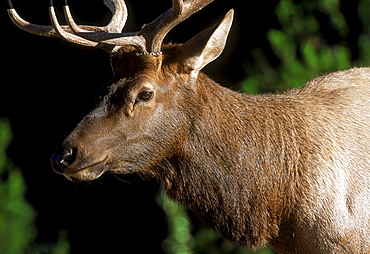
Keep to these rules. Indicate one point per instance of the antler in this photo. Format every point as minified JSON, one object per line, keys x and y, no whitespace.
{"x":110,"y":37}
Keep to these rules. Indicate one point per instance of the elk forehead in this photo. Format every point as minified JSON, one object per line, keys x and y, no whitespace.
{"x":128,"y":62}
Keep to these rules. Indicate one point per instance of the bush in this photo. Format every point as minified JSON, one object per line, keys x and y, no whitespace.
{"x":303,"y":51}
{"x":16,"y":215}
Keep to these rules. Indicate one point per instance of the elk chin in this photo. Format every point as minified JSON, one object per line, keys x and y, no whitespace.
{"x":87,"y":174}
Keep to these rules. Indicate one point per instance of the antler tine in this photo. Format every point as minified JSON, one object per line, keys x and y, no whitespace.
{"x":109,"y":34}
{"x":42,"y":30}
{"x":74,"y":27}
{"x":116,"y":25}
{"x":177,"y":7}
{"x":120,"y":13}
{"x":66,"y":35}
{"x":159,"y":28}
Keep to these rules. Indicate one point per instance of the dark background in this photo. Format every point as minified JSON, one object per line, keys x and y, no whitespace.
{"x":48,"y":85}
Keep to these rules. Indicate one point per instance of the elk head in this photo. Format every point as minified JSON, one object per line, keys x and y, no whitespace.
{"x":144,"y":112}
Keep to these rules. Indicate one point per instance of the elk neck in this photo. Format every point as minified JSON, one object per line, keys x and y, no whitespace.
{"x":247,"y":191}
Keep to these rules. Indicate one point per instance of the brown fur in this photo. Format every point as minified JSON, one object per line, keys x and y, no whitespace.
{"x":290,"y":170}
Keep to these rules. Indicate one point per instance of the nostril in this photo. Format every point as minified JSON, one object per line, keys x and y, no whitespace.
{"x":68,"y":157}
{"x":62,"y":160}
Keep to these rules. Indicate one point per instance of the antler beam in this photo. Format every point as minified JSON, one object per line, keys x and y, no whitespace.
{"x":110,"y":37}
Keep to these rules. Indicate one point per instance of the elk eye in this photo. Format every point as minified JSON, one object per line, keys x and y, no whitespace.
{"x":144,"y":96}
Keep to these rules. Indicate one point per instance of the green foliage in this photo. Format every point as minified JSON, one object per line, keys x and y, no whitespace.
{"x":302,"y":52}
{"x":16,"y":215}
{"x":179,"y":240}
{"x":62,"y":246}
{"x":17,"y":228}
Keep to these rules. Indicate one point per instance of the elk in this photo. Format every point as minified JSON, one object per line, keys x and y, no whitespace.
{"x":290,"y":170}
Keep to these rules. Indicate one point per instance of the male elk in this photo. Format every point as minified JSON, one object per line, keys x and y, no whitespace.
{"x":290,"y":170}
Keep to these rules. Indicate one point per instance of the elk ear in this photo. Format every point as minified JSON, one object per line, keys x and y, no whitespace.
{"x":206,"y":46}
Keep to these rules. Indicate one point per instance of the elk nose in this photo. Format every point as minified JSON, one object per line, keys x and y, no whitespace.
{"x":61,"y":161}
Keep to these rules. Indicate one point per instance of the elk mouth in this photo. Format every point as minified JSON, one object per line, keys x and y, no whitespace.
{"x":87,"y":173}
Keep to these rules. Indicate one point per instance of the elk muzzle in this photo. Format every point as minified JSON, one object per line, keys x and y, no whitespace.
{"x":66,"y":162}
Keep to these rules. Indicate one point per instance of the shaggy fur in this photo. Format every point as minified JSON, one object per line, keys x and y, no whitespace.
{"x":290,"y":170}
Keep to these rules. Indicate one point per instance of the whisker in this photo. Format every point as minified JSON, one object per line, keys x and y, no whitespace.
{"x":120,"y":179}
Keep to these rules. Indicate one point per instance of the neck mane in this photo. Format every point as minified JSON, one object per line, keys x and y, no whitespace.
{"x":244,"y":194}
